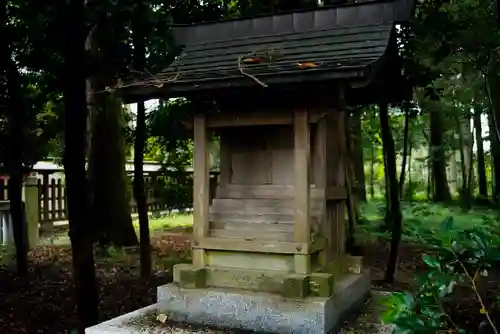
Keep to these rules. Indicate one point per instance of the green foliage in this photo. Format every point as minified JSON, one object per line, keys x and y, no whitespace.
{"x":456,"y":258}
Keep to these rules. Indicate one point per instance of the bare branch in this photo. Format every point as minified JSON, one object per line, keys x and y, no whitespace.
{"x":242,"y":71}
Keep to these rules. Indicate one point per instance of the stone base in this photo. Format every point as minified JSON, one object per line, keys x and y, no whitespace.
{"x":130,"y":323}
{"x":263,"y":312}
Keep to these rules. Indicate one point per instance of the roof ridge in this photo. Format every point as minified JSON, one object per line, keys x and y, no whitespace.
{"x":309,"y":31}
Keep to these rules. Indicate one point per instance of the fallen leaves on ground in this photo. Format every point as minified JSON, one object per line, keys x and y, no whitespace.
{"x":43,"y":301}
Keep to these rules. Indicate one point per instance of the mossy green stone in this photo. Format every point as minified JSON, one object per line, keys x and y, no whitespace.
{"x":321,"y":284}
{"x":337,"y":268}
{"x":191,"y":278}
{"x":295,"y":286}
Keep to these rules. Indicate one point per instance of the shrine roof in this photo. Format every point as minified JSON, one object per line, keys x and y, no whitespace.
{"x":344,"y":42}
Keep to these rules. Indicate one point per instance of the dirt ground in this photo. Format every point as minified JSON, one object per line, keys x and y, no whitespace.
{"x":43,"y":301}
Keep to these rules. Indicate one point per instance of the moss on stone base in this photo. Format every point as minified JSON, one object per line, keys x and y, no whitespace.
{"x":321,"y":284}
{"x":189,"y":277}
{"x":295,"y":286}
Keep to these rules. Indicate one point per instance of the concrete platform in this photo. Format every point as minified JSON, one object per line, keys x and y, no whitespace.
{"x":261,"y":312}
{"x":129,"y":323}
{"x":367,"y":321}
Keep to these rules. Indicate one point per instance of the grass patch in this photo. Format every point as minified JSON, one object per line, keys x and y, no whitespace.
{"x":168,"y":221}
{"x":156,"y":224}
{"x":431,"y":215}
{"x":422,"y":216}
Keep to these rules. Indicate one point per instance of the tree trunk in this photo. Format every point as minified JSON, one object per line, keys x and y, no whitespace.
{"x":410,"y":182}
{"x":140,"y":139}
{"x":357,"y":156}
{"x":405,"y":153}
{"x":481,"y":166}
{"x":441,"y":190}
{"x":372,"y":174}
{"x":493,"y":85}
{"x":466,"y":159}
{"x":350,"y":181}
{"x":74,"y":165}
{"x":393,"y":204}
{"x":109,"y":194}
{"x":16,"y":119}
{"x":429,"y":187}
{"x":454,"y":171}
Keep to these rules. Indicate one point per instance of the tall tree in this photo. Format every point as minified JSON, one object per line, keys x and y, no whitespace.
{"x":440,"y":190}
{"x":16,"y":111}
{"x":140,"y":140}
{"x":109,"y":197}
{"x":357,"y":158}
{"x":405,"y":150}
{"x":74,"y":164}
{"x":481,"y":165}
{"x":393,"y":211}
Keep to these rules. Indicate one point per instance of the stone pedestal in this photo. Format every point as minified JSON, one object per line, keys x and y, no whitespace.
{"x":264,"y":312}
{"x":238,"y":309}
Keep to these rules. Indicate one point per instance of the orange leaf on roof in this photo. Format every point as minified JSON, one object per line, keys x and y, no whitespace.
{"x":307,"y":64}
{"x":254,"y":60}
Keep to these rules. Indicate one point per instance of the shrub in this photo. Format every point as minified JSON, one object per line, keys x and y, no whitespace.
{"x":456,"y":258}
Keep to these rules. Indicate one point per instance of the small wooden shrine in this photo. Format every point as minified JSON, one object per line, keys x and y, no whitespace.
{"x":276,"y":90}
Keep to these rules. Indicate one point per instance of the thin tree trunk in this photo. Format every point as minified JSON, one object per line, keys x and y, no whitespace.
{"x":481,"y":166}
{"x":405,"y":153}
{"x":495,"y":160}
{"x":410,"y":182}
{"x":74,"y":165}
{"x":139,"y":192}
{"x":466,"y":159}
{"x":429,"y":177}
{"x":357,"y":155}
{"x":454,"y":172}
{"x":350,"y":175}
{"x":441,"y":190}
{"x":372,"y":174}
{"x":140,"y":139}
{"x":16,"y":112}
{"x":394,"y":204}
{"x":492,"y":84}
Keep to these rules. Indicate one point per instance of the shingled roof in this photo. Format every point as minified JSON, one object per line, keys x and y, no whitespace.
{"x":343,"y":42}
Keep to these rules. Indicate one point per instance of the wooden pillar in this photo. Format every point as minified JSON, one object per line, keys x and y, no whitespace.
{"x":45,"y":183}
{"x":341,"y":181}
{"x":341,"y":177}
{"x":31,"y":210}
{"x":301,"y":221}
{"x":200,"y":187}
{"x":334,"y":223}
{"x":320,"y":181}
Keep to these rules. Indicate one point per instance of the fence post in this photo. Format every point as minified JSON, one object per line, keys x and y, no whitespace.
{"x":31,"y":201}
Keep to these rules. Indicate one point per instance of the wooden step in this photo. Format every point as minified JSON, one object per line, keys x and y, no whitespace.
{"x":260,"y":206}
{"x":229,"y":203}
{"x":271,"y":191}
{"x":251,"y":217}
{"x":259,"y":234}
{"x":245,"y":226}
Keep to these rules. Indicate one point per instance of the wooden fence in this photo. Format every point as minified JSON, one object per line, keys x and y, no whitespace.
{"x":53,"y":205}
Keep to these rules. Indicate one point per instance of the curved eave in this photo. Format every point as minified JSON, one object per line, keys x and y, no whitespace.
{"x":151,"y":91}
